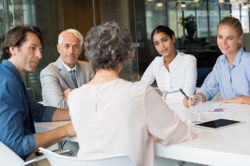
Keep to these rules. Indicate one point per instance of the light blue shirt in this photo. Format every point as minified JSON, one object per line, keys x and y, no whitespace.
{"x":231,"y":81}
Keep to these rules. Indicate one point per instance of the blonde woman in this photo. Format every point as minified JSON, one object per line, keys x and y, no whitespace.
{"x":231,"y":73}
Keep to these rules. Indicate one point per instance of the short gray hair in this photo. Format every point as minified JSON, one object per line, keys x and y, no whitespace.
{"x":107,"y":46}
{"x":75,"y":32}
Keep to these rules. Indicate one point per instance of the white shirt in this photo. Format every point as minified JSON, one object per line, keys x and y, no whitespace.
{"x":118,"y":116}
{"x":182,"y":74}
{"x":67,"y":67}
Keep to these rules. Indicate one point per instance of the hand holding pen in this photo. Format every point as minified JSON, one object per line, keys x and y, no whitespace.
{"x":182,"y":92}
{"x":197,"y":99}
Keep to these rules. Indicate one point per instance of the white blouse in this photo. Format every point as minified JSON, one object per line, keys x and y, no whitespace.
{"x":119,"y":116}
{"x":182,"y":74}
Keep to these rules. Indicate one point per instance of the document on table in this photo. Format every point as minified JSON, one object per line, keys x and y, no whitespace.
{"x":210,"y":107}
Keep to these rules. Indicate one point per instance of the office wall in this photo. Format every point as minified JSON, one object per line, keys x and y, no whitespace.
{"x":53,"y":17}
{"x":78,"y":14}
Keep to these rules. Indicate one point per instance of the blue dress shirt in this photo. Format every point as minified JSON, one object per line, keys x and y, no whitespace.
{"x":17,"y":111}
{"x":231,"y":81}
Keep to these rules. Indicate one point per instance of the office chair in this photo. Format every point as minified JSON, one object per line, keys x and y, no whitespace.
{"x":60,"y":160}
{"x":10,"y":158}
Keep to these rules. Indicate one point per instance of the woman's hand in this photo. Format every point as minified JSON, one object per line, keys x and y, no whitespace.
{"x":185,"y":101}
{"x":154,"y":138}
{"x":242,"y":100}
{"x":66,"y":93}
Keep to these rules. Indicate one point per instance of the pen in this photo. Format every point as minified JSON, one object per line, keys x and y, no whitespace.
{"x":182,"y":92}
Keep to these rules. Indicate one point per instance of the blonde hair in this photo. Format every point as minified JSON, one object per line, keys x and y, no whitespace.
{"x":233,"y":23}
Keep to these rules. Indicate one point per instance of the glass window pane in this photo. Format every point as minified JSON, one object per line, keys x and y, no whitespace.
{"x":155,"y":15}
{"x":213,"y":17}
{"x":202,"y":24}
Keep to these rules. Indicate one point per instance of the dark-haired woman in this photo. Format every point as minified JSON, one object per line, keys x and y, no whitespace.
{"x":173,"y":69}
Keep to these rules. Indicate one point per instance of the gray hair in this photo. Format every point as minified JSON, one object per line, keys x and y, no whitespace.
{"x":107,"y":46}
{"x":75,"y":32}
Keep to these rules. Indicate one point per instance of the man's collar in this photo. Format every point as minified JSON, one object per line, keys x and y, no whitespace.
{"x":67,"y":67}
{"x":12,"y":67}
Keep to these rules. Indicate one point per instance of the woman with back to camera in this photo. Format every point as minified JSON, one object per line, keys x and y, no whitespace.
{"x":231,"y":73}
{"x":174,"y":70}
{"x":117,"y":116}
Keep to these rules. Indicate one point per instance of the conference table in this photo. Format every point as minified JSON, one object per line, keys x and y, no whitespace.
{"x":226,"y":146}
